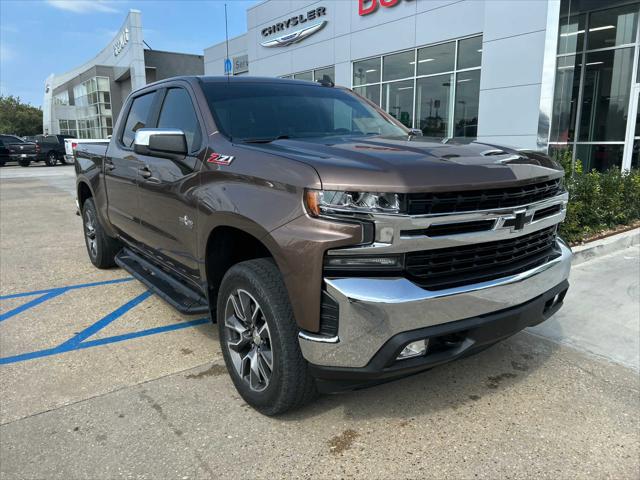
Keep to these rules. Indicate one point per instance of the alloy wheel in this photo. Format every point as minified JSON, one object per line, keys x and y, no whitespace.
{"x":90,"y":233}
{"x":248,"y":340}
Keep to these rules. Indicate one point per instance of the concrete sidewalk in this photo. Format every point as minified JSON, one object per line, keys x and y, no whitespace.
{"x":601,"y":314}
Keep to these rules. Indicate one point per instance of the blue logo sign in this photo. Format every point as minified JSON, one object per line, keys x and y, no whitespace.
{"x":227,"y":66}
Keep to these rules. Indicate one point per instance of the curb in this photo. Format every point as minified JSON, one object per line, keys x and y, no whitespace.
{"x":604,"y":246}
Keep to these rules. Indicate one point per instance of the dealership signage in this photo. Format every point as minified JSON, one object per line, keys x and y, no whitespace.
{"x":366,"y":7}
{"x":121,"y":42}
{"x":307,"y":24}
{"x":240,"y":64}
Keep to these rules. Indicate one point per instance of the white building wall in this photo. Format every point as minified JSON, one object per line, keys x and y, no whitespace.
{"x":130,"y":58}
{"x":516,"y":48}
{"x":513,"y":60}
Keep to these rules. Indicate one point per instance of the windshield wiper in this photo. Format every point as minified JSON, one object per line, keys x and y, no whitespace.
{"x":265,"y":140}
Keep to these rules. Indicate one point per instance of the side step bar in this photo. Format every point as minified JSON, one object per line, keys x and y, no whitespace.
{"x":177,"y":294}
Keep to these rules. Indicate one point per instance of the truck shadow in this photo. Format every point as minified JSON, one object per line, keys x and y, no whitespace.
{"x":467,"y":381}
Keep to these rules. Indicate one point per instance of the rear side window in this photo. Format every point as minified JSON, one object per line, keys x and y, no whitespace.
{"x":137,"y":118}
{"x":178,"y":112}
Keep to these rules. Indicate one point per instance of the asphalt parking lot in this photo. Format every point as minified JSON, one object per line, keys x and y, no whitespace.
{"x":100,"y":379}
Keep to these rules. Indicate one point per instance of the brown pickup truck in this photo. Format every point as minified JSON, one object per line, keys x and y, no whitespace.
{"x":334,"y":247}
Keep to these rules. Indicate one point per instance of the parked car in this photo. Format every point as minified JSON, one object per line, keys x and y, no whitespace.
{"x":14,"y":149}
{"x":51,"y":148}
{"x":334,"y":247}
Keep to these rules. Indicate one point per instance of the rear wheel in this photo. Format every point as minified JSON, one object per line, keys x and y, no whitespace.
{"x":259,"y":339}
{"x":101,"y":248}
{"x":52,"y":159}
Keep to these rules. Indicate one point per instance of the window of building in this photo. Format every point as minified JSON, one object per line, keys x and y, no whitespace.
{"x":596,"y":86}
{"x":177,"y":112}
{"x":68,"y":127}
{"x":61,"y":98}
{"x":92,"y":99}
{"x":314,"y":75}
{"x":435,"y":88}
{"x":137,"y":118}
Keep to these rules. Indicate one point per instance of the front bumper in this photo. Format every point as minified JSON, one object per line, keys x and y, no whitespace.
{"x":375,"y":310}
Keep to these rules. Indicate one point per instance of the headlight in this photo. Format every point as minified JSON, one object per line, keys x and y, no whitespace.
{"x":319,"y":202}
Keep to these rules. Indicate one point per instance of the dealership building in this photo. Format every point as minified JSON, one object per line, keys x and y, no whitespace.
{"x":533,"y":74}
{"x":86,"y":101}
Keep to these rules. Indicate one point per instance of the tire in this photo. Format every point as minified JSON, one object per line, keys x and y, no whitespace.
{"x":51,"y":160}
{"x":289,"y":384}
{"x":24,"y":163}
{"x":101,"y":248}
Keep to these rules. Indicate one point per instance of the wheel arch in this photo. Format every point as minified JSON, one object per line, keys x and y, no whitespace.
{"x":226,"y":246}
{"x":83,"y":192}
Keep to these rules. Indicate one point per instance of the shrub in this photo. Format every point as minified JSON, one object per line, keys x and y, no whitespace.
{"x":598,"y":201}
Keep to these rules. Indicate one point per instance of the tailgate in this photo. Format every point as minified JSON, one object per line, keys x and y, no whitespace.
{"x":19,"y":148}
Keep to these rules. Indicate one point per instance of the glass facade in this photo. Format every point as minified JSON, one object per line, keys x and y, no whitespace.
{"x":92,"y":102}
{"x":596,"y":89}
{"x":435,"y":88}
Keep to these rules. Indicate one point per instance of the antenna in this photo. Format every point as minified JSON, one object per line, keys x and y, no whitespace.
{"x":226,"y":32}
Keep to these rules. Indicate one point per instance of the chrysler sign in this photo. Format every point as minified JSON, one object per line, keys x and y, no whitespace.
{"x":307,"y":24}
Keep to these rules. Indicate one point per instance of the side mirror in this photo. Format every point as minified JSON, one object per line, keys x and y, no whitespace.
{"x":161,"y":142}
{"x":415,"y":132}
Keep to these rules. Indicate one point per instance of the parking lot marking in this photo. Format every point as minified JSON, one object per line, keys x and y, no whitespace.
{"x":31,"y":304}
{"x":66,"y":288}
{"x":79,"y":341}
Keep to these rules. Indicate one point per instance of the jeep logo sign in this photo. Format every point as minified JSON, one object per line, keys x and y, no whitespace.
{"x":307,"y":28}
{"x":121,"y":42}
{"x":365,"y":7}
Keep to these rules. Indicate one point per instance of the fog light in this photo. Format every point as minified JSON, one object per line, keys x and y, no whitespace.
{"x":414,"y":349}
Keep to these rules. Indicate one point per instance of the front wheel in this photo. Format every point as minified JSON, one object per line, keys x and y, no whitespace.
{"x":101,"y":248}
{"x":24,"y":163}
{"x":259,"y":339}
{"x":51,"y":159}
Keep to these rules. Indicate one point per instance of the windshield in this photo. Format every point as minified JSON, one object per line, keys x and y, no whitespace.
{"x":268,"y":111}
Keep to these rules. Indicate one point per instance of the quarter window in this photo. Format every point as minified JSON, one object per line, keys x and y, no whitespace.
{"x":137,"y":118}
{"x":177,"y":112}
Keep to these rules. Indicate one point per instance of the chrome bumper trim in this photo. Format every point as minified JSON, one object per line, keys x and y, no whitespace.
{"x":372,"y":310}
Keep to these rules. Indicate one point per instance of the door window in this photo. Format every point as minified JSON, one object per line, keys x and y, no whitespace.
{"x":137,"y":118}
{"x":178,"y":112}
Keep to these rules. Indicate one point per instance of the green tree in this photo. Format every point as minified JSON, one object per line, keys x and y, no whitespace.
{"x":19,"y":118}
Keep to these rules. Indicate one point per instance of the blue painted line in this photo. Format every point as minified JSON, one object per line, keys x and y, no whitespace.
{"x":68,"y":287}
{"x":31,"y":304}
{"x":30,"y":356}
{"x":104,"y":321}
{"x":101,"y":341}
{"x":142,"y":333}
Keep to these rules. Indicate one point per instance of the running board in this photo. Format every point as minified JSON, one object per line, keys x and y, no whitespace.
{"x":175,"y":293}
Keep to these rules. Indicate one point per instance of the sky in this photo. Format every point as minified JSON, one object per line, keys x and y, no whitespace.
{"x":40,"y":37}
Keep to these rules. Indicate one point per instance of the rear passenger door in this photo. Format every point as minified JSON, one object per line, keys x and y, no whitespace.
{"x":168,"y":213}
{"x":122,"y":169}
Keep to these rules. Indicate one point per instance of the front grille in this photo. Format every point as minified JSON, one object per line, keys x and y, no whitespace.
{"x":456,"y":266}
{"x":474,"y":200}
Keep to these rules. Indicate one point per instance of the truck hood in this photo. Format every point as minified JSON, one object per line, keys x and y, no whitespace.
{"x":399,"y":165}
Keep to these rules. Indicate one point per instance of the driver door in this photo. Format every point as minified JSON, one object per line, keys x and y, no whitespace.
{"x":167,"y":207}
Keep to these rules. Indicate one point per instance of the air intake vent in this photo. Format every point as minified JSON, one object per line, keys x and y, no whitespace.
{"x":329,"y":312}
